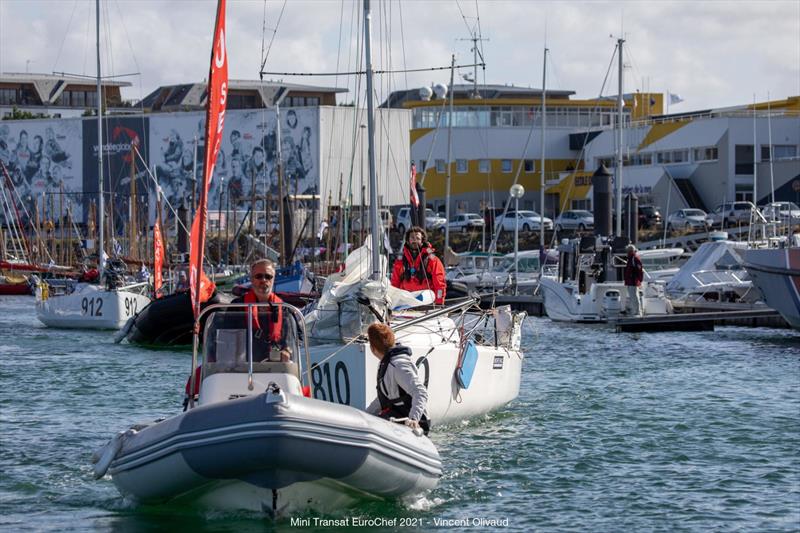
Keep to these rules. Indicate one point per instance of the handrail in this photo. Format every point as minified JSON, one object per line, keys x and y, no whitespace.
{"x":248,"y":307}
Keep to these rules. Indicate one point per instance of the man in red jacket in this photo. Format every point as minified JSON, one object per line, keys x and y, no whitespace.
{"x":418,"y":268}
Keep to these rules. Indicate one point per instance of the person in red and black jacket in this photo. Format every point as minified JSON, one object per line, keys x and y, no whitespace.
{"x":634,"y":274}
{"x":418,"y":268}
{"x":274,"y":333}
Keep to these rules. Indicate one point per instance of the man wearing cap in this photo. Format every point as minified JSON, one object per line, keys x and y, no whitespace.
{"x":634,"y":274}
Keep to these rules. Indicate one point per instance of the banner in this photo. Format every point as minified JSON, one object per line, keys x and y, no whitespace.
{"x":158,"y":258}
{"x":414,"y":195}
{"x":215,"y":122}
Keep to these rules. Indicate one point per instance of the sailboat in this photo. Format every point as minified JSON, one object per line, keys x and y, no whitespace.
{"x":470,"y":360}
{"x":111,"y":303}
{"x":253,"y":439}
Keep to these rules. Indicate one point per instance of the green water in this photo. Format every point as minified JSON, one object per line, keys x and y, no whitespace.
{"x":611,"y":432}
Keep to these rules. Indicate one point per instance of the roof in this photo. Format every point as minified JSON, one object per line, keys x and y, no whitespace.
{"x":194,"y":94}
{"x":49,"y":87}
{"x":486,"y":92}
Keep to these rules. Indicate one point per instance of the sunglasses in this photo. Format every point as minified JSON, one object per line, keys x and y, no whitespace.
{"x":262,"y":277}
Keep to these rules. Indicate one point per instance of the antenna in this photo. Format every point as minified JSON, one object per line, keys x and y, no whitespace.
{"x":475,"y":38}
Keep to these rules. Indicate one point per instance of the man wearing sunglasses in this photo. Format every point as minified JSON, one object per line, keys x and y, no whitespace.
{"x":271,"y":329}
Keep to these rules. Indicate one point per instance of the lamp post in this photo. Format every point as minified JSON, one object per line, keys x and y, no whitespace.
{"x":516,"y":192}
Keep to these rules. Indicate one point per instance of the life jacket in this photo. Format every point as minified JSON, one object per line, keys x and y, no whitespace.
{"x":416,"y":267}
{"x":399,"y":407}
{"x":273,"y":324}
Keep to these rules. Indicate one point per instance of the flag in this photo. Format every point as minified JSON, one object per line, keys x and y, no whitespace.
{"x":414,"y":196}
{"x":675,"y":98}
{"x":200,"y":286}
{"x":158,"y":257}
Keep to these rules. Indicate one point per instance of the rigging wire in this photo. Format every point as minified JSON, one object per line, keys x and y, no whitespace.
{"x":361,"y":72}
{"x":272,"y":39}
{"x":66,"y":32}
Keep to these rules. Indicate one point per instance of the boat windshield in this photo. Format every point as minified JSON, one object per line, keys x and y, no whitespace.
{"x":274,"y":338}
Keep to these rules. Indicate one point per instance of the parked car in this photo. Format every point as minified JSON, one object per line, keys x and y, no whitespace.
{"x":466,"y":222}
{"x":574,"y":220}
{"x":526,"y":220}
{"x":731,"y":214}
{"x":687,"y":220}
{"x":649,"y":216}
{"x":781,"y":212}
{"x":432,"y":220}
{"x":386,"y":220}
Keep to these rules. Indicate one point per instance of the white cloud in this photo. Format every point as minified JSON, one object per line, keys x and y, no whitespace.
{"x":712,"y":53}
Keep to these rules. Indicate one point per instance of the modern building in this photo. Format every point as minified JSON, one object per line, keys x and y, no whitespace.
{"x":697,"y":159}
{"x":242,"y":94}
{"x":497,"y":138}
{"x":704,"y":158}
{"x":322,"y":147}
{"x":56,"y":96}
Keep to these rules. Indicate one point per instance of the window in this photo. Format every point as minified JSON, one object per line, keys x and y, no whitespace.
{"x":744,"y":159}
{"x":440,"y":166}
{"x":484,"y":166}
{"x":422,"y":165}
{"x":582,"y":205}
{"x":506,"y":166}
{"x":664,"y":158}
{"x":782,"y":151}
{"x":706,"y":154}
{"x":529,"y":166}
{"x":680,"y":156}
{"x":461,"y":166}
{"x":8,"y":96}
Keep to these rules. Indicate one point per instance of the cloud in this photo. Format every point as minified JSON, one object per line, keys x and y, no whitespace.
{"x":713,"y":53}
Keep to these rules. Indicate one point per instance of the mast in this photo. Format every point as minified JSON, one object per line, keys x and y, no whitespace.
{"x":373,"y":180}
{"x":618,"y":232}
{"x":449,"y":161}
{"x":755,"y":155}
{"x":101,"y":210}
{"x":544,"y":126}
{"x":279,"y":168}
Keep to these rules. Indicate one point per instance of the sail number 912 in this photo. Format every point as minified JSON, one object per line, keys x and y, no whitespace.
{"x":92,"y":306}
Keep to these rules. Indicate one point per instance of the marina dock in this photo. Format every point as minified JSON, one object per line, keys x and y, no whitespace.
{"x":697,"y":321}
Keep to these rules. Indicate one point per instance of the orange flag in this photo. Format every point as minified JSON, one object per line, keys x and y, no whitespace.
{"x":158,"y":257}
{"x":200,"y":286}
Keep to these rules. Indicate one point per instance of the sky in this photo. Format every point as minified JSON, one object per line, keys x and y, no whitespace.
{"x":710,"y":53}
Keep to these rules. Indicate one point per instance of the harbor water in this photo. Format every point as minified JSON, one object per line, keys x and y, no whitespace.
{"x":611,"y":432}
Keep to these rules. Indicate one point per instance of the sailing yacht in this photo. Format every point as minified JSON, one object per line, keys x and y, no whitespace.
{"x":111,"y":303}
{"x":470,"y":360}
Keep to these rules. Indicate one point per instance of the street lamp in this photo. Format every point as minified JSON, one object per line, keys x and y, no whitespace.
{"x":516,"y":192}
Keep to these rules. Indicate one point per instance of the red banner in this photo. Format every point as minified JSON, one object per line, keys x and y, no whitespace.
{"x":414,"y":195}
{"x":215,"y":121}
{"x":158,"y":258}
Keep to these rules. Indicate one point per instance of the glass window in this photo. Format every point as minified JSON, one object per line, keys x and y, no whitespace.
{"x":784,"y":151}
{"x":484,"y":166}
{"x":706,"y":154}
{"x":440,"y":166}
{"x":743,"y":159}
{"x":422,"y":165}
{"x":506,"y":166}
{"x":529,"y":166}
{"x":461,"y":166}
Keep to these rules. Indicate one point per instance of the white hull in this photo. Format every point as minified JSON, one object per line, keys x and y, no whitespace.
{"x":89,"y":307}
{"x":274,"y":452}
{"x":348,"y":375}
{"x":776,"y":272}
{"x":602,"y":302}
